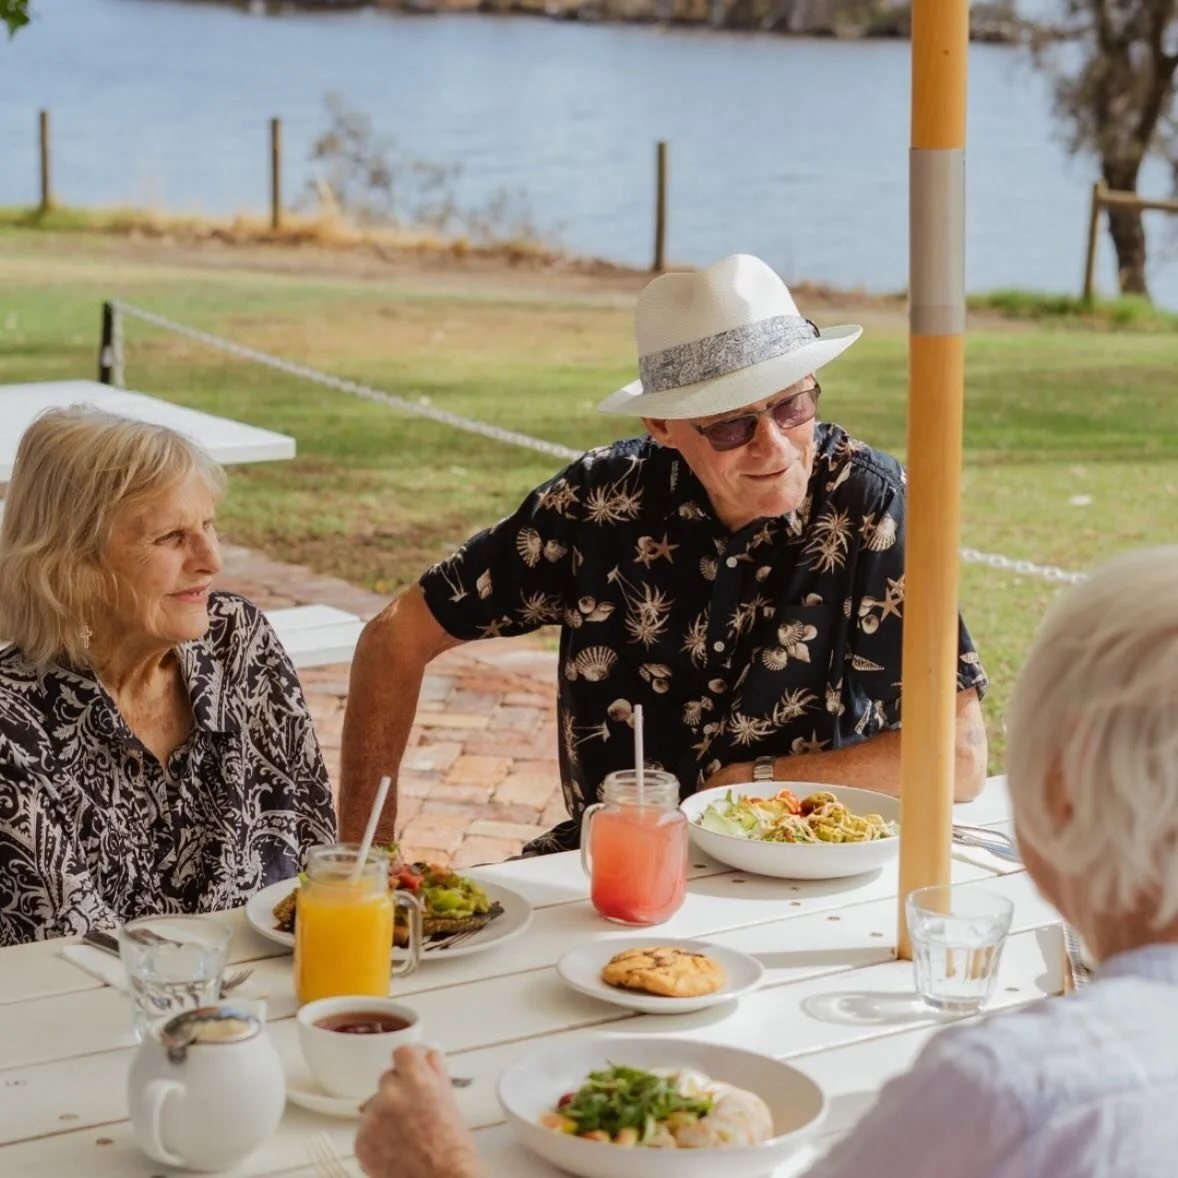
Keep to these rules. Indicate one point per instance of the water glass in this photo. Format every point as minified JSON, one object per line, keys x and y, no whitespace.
{"x":173,"y":963}
{"x":957,"y":936}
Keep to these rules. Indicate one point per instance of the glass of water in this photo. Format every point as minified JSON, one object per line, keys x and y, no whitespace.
{"x":173,"y":963}
{"x":957,"y":936}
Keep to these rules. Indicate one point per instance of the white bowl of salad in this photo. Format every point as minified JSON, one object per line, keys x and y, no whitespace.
{"x":799,"y":830}
{"x":635,"y":1106}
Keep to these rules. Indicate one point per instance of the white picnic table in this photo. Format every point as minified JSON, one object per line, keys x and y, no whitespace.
{"x":226,"y":440}
{"x":834,"y":1003}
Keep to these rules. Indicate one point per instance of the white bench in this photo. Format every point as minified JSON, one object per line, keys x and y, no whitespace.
{"x":313,"y":635}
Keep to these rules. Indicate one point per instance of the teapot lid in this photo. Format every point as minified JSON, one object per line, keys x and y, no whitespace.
{"x":207,"y":1024}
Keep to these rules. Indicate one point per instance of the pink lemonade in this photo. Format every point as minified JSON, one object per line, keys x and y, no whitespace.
{"x":639,"y":858}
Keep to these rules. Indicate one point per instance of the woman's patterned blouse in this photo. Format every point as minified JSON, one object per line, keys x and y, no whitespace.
{"x":94,"y":830}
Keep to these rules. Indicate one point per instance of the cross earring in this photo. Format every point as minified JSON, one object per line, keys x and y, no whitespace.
{"x":87,"y":634}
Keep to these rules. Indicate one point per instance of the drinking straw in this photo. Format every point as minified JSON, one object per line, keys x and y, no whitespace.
{"x":638,"y":751}
{"x":382,"y":792}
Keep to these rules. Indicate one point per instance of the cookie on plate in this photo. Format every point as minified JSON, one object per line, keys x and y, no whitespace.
{"x":666,"y":971}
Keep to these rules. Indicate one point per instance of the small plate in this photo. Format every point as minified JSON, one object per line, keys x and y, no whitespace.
{"x":581,"y":969}
{"x":516,"y":916}
{"x":302,"y":1089}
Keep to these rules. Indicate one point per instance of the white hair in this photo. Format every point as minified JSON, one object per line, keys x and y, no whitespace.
{"x":1097,"y":703}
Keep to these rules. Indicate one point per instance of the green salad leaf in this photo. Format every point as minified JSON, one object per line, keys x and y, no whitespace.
{"x":620,"y":1098}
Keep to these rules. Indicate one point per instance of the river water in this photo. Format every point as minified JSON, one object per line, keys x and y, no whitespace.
{"x":792,"y":149}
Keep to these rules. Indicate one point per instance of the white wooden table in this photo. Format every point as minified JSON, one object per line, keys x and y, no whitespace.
{"x":834,"y":1003}
{"x":226,"y":440}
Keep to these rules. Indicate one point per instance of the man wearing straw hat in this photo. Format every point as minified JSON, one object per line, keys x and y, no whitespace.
{"x":738,"y":571}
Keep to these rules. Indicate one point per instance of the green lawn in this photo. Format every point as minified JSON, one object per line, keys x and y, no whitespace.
{"x":1053,"y":414}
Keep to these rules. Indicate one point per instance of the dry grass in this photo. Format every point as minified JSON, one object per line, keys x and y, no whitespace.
{"x":326,"y":228}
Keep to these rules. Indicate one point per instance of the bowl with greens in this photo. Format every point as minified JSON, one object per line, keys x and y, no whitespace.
{"x":631,"y":1106}
{"x":799,"y":830}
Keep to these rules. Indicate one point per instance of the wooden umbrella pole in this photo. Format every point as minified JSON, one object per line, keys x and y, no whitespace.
{"x":936,"y":380}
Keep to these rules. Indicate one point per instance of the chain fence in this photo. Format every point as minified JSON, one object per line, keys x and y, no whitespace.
{"x":112,"y":371}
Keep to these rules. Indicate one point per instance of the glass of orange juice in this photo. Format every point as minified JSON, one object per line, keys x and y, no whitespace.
{"x":635,"y":851}
{"x":344,"y":928}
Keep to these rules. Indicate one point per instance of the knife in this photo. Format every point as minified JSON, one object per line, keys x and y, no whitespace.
{"x":109,"y":944}
{"x":993,"y":841}
{"x":101,"y":940}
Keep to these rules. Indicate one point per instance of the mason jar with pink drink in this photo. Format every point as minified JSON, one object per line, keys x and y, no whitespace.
{"x":634,"y":848}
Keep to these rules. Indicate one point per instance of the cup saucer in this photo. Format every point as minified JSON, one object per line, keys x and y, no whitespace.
{"x":303,"y":1090}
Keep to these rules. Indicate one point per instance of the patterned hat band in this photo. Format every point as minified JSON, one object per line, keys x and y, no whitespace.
{"x":730,"y":351}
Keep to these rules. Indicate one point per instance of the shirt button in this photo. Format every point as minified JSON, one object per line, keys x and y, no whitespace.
{"x":717,"y":646}
{"x":731,"y":562}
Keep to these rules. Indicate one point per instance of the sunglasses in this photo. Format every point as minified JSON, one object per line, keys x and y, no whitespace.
{"x":734,"y":432}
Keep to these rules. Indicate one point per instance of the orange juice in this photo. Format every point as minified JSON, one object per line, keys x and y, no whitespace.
{"x":343,"y":930}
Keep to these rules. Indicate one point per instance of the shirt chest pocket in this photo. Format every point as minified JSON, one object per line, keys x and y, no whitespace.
{"x":789,"y":671}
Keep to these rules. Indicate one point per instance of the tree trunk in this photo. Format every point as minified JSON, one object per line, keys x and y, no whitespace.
{"x":1127,"y":231}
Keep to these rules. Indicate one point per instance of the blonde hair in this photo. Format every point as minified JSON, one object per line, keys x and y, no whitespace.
{"x":76,"y":470}
{"x":1097,"y":704}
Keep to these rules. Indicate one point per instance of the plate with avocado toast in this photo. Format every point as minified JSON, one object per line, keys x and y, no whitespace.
{"x":452,"y":903}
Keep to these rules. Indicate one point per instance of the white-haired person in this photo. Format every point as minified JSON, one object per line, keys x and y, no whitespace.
{"x":1084,"y":1086}
{"x":156,"y":752}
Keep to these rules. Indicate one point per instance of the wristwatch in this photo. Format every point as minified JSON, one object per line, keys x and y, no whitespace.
{"x":763,"y":769}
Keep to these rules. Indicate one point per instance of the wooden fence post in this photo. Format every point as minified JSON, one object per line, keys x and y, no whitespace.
{"x":660,"y":209}
{"x":107,"y":344}
{"x":1098,"y":191}
{"x":275,"y":174}
{"x":46,"y":186}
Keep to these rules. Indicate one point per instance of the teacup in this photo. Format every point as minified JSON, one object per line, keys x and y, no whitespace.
{"x":348,"y":1042}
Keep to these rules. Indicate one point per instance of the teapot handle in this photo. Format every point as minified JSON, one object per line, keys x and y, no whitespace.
{"x":154,"y":1095}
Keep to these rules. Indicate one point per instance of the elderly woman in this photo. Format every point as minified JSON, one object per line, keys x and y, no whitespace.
{"x":156,"y":753}
{"x":1083,"y":1086}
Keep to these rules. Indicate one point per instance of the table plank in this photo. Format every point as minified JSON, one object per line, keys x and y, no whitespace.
{"x":226,"y":440}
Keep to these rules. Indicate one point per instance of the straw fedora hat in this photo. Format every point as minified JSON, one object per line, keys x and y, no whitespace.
{"x":718,"y":339}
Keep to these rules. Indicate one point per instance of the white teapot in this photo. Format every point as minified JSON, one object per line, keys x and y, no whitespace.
{"x":206,"y":1088}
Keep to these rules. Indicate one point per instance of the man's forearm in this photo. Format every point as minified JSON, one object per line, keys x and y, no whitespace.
{"x":870,"y":764}
{"x":875,"y":763}
{"x":383,"y":690}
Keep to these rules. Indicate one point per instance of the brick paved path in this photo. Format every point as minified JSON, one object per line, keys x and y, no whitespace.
{"x":480,"y":775}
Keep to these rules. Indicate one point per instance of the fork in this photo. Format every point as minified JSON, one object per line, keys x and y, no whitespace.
{"x":454,"y":939}
{"x":235,"y":979}
{"x":325,"y":1158}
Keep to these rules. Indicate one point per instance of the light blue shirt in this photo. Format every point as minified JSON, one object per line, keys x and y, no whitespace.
{"x":1079,"y":1087}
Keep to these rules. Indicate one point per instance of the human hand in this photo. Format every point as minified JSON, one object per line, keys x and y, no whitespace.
{"x":412,"y":1127}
